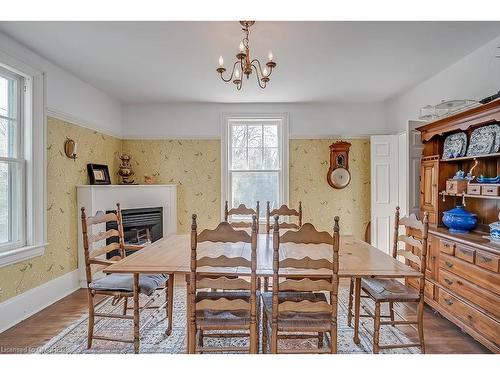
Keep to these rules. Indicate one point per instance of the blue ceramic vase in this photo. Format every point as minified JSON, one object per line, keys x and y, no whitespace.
{"x":459,"y":220}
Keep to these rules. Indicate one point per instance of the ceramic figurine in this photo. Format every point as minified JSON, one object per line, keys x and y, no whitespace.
{"x":125,"y":170}
{"x":459,"y":175}
{"x":149,"y":180}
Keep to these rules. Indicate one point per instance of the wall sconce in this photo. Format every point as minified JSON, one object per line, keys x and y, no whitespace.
{"x":70,"y":149}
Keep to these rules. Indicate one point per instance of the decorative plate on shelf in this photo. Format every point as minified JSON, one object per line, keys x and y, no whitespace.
{"x":495,"y":128}
{"x":455,"y":145}
{"x":483,"y":141}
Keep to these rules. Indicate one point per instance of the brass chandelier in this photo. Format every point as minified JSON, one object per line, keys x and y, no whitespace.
{"x":244,"y":66}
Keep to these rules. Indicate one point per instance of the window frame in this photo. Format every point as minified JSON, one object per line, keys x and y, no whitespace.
{"x":33,"y":137}
{"x":283,"y":146}
{"x":18,"y":160}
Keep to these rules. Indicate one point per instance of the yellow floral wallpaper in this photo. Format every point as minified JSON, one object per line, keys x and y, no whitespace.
{"x":192,"y":164}
{"x":309,"y":163}
{"x":195,"y":166}
{"x":63,"y":175}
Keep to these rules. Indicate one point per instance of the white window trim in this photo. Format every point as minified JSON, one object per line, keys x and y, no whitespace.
{"x":36,"y":167}
{"x":284,"y":146}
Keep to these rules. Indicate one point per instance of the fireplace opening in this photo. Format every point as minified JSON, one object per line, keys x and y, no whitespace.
{"x":141,"y":226}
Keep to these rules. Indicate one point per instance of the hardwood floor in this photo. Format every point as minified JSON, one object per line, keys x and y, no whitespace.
{"x":441,"y":336}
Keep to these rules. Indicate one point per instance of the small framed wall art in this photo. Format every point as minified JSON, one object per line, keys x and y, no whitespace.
{"x":98,"y":174}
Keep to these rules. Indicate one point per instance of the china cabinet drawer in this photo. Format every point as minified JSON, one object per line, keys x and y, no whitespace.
{"x":479,"y":276}
{"x":447,"y":247}
{"x":470,"y":316}
{"x":478,"y":296}
{"x":465,"y":252}
{"x":490,"y":190}
{"x":488,"y":261}
{"x":474,"y":189}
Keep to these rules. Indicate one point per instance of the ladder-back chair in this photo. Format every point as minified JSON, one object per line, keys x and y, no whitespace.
{"x":234,"y":310}
{"x":391,"y":291}
{"x":241,"y":210}
{"x":295,"y":309}
{"x":118,"y":286}
{"x":284,"y":210}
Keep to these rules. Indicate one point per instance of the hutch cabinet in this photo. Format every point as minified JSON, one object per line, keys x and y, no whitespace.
{"x":463,"y":270}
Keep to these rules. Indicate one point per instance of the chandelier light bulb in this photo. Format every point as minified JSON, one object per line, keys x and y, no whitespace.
{"x":237,"y":74}
{"x":242,"y":46}
{"x":221,"y":62}
{"x":270,"y":56}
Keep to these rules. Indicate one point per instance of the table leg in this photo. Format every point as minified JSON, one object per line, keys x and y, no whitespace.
{"x":136,"y":313}
{"x":357,"y":300}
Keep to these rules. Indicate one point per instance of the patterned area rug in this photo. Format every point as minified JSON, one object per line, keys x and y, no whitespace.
{"x":73,"y":340}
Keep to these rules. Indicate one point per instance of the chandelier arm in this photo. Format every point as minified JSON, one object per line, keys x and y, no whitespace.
{"x":260,"y":67}
{"x":232,"y":73}
{"x":259,"y":78}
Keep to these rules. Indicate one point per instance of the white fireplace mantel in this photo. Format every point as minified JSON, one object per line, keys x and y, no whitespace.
{"x":105,"y":197}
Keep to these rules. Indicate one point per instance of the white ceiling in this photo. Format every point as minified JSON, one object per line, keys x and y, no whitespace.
{"x":153,"y":62}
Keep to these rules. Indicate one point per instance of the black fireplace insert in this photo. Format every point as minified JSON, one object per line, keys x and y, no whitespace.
{"x":141,"y":226}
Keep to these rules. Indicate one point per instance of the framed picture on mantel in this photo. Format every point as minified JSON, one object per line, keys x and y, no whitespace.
{"x":98,"y":174}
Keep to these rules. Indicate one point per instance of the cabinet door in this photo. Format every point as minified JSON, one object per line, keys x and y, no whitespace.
{"x":429,"y":186}
{"x":432,"y":254}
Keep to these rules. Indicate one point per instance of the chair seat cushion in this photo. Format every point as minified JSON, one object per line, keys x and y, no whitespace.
{"x":298,"y":321}
{"x":125,"y":283}
{"x":389,"y":290}
{"x":224,"y":320}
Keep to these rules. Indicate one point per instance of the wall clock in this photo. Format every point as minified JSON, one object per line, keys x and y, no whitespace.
{"x":338,"y":176}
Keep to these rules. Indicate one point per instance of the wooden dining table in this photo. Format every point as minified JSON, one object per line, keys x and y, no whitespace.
{"x":357,"y":259}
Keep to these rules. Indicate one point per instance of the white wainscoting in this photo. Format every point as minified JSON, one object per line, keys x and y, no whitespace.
{"x":22,"y":306}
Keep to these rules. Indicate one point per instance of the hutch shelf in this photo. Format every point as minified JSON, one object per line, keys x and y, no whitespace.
{"x":463,"y":274}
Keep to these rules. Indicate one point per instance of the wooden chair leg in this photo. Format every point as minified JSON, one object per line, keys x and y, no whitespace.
{"x":254,"y":338}
{"x":420,"y":318}
{"x":320,"y":340}
{"x":91,"y":319}
{"x":333,"y":327}
{"x":266,"y":284}
{"x":136,"y":313}
{"x":376,"y":328}
{"x":200,"y":338}
{"x":351,"y":297}
{"x":125,"y":305}
{"x":274,"y":338}
{"x":357,"y":304}
{"x":391,"y":311}
{"x":170,"y":303}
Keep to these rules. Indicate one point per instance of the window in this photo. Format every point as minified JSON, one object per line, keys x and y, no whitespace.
{"x":12,"y":161}
{"x":255,"y":161}
{"x":22,"y":162}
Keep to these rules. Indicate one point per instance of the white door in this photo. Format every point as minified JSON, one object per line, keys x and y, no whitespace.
{"x":384,"y":188}
{"x":415,"y":148}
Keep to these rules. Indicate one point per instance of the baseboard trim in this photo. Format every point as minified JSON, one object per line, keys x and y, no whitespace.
{"x":20,"y":307}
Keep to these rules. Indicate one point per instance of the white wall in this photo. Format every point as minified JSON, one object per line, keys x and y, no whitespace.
{"x":475,"y":76}
{"x":202,"y":120}
{"x":67,"y":95}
